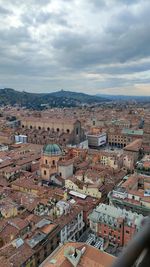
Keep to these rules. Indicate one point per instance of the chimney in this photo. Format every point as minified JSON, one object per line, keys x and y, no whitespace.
{"x":73,"y":255}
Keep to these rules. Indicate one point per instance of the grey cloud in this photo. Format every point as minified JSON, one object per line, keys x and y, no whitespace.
{"x":4,"y":11}
{"x":51,"y":17}
{"x":28,"y":2}
{"x":40,"y":17}
{"x":125,"y":40}
{"x":98,"y":4}
{"x":134,"y":67}
{"x":70,"y":52}
{"x":128,"y":2}
{"x":14,"y":36}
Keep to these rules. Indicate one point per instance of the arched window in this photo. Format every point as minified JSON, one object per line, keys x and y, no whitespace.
{"x":53,"y":162}
{"x":22,"y":126}
{"x":57,"y":129}
{"x":48,"y":129}
{"x":30,"y":126}
{"x":39,"y":127}
{"x":46,"y":161}
{"x":68,"y":131}
{"x":44,"y":172}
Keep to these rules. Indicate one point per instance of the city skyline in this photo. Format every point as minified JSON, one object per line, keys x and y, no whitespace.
{"x":98,"y":47}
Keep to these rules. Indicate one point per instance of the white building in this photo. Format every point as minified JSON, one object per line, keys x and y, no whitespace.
{"x":21,"y":138}
{"x":73,"y":228}
{"x":96,"y":140}
{"x":3,"y":147}
{"x":65,"y":169}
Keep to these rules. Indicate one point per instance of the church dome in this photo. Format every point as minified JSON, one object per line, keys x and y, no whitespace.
{"x":52,"y":150}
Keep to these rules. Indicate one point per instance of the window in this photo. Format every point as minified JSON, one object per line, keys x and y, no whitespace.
{"x":45,"y":254}
{"x":38,"y":254}
{"x":77,"y":131}
{"x":48,"y":129}
{"x":22,"y":126}
{"x":127,"y":232}
{"x":39,"y":127}
{"x":57,"y":130}
{"x":68,"y":131}
{"x":44,"y":172}
{"x":53,"y":162}
{"x":80,"y":225}
{"x":46,"y":161}
{"x":30,"y":126}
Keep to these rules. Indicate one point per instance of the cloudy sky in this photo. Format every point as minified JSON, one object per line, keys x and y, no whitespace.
{"x":92,"y":46}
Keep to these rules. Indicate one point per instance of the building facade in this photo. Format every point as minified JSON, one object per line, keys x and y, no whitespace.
{"x":114,"y":224}
{"x":146,"y":136}
{"x":41,"y":130}
{"x":51,"y":155}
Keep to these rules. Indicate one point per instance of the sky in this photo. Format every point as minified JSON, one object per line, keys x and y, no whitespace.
{"x":90,"y":46}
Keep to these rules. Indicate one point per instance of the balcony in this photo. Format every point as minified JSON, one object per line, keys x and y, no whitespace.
{"x":129,"y":203}
{"x":72,"y":228}
{"x":137,"y":253}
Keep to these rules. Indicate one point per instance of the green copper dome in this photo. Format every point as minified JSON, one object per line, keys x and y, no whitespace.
{"x":52,"y":150}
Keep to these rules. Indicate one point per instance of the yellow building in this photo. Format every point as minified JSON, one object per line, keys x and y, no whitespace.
{"x":87,"y":189}
{"x":8,"y":210}
{"x":49,"y":124}
{"x":51,"y":155}
{"x":25,"y":188}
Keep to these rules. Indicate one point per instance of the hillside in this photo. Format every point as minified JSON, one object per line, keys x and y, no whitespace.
{"x":81,"y":97}
{"x":61,"y":98}
{"x":125,"y":98}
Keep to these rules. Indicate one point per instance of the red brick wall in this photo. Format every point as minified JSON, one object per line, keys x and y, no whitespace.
{"x":114,"y":235}
{"x":128,"y":234}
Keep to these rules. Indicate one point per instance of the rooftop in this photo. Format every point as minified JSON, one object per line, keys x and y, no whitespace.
{"x":86,"y":255}
{"x":52,"y":150}
{"x":106,"y":213}
{"x":36,"y":239}
{"x":132,"y":132}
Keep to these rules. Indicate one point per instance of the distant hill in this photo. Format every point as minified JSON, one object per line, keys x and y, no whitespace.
{"x":61,"y":98}
{"x":79,"y":97}
{"x":125,"y":98}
